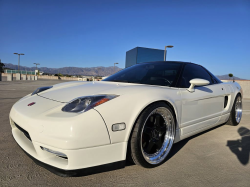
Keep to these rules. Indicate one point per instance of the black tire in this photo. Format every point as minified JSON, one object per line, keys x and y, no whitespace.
{"x":232,"y":119}
{"x":135,"y":143}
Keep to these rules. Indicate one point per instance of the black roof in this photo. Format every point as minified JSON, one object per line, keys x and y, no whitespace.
{"x":168,"y":61}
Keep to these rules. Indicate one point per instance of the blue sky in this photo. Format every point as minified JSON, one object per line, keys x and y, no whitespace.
{"x":215,"y":34}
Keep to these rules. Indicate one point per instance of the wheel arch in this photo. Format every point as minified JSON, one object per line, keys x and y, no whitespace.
{"x":169,"y":103}
{"x":235,"y":96}
{"x":238,"y":89}
{"x":239,"y":93}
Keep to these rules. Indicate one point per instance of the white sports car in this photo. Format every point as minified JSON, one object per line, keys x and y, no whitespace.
{"x":80,"y":128}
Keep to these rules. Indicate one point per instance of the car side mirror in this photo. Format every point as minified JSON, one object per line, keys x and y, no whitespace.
{"x":197,"y":82}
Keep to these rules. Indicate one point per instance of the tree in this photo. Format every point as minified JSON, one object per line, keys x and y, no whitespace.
{"x":1,"y":66}
{"x":230,"y":75}
{"x":59,"y":75}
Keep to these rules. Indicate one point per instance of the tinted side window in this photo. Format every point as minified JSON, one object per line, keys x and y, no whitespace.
{"x":216,"y":80}
{"x":192,"y":71}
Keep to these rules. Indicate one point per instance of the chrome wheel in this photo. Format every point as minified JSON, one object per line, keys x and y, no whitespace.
{"x":157,"y":136}
{"x":238,"y":109}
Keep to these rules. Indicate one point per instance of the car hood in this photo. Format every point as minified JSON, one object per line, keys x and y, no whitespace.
{"x":65,"y":94}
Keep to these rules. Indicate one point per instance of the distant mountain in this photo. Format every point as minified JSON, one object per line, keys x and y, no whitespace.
{"x":226,"y":77}
{"x":92,"y":71}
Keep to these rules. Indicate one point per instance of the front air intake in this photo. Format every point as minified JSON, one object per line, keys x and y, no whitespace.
{"x":225,"y":101}
{"x":23,"y":131}
{"x":57,"y":153}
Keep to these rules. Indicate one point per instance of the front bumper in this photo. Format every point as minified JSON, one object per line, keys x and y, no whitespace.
{"x":80,"y":172}
{"x":83,"y":138}
{"x":77,"y":172}
{"x":78,"y":162}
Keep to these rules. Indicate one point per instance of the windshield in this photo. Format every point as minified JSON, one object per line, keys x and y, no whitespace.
{"x":162,"y":74}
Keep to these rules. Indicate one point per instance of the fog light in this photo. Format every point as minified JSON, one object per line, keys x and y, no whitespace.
{"x":119,"y":127}
{"x":57,"y":153}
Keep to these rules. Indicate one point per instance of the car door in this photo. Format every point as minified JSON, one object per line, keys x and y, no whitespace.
{"x":204,"y":106}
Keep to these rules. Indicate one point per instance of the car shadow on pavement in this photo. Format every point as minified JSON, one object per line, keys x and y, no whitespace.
{"x":177,"y":146}
{"x":241,"y":148}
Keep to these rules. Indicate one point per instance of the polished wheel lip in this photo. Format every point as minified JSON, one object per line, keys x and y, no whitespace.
{"x":238,"y":109}
{"x":160,"y":155}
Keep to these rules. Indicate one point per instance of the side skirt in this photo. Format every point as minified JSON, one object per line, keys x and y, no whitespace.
{"x":199,"y":127}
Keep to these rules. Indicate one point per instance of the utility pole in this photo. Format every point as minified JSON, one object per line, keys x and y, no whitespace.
{"x":114,"y":66}
{"x":18,"y":59}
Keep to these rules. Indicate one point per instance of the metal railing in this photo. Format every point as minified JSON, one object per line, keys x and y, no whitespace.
{"x":20,"y":71}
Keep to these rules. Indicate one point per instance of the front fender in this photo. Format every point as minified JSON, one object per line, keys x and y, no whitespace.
{"x":126,"y":109}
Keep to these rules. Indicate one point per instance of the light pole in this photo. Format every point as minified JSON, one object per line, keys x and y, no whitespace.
{"x":18,"y":58}
{"x":36,"y":65}
{"x":165,"y":52}
{"x":114,"y":66}
{"x":98,"y":72}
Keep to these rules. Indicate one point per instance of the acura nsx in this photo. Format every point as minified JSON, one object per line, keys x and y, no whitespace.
{"x":138,"y":113}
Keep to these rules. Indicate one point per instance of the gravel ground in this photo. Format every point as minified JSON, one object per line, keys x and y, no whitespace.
{"x":202,"y":160}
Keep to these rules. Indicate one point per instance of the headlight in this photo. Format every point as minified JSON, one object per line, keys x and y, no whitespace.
{"x":41,"y":89}
{"x":83,"y":104}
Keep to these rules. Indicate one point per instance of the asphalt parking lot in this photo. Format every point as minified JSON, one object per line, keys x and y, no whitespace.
{"x":218,"y":157}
